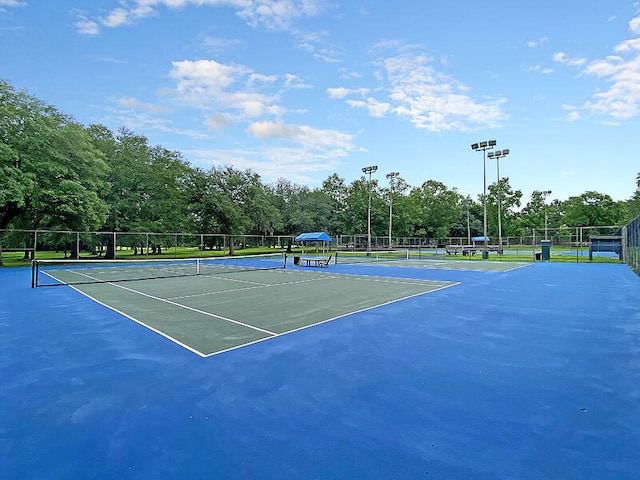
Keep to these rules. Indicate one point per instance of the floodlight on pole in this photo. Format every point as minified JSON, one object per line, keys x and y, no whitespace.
{"x":498,"y":154}
{"x":544,"y":199}
{"x":484,"y":146}
{"x":391,"y":176}
{"x":369,"y":170}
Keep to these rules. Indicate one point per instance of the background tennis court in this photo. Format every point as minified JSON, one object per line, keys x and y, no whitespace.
{"x":529,"y":373}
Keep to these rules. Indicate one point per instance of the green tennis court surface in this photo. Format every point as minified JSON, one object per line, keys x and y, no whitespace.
{"x":209,"y":314}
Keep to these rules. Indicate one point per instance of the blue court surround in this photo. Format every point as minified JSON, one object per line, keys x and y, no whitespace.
{"x":527,"y":374}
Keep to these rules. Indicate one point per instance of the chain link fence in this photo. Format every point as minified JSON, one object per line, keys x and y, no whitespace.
{"x":581,"y":243}
{"x":111,"y":245}
{"x":631,"y":244}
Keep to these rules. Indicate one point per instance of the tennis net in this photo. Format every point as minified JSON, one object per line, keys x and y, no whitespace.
{"x":369,"y":257}
{"x":77,"y":272}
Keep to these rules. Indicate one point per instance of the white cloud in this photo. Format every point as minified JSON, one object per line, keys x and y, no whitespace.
{"x":573,"y":114}
{"x":208,"y":84}
{"x":219,"y":45}
{"x":318,"y":46}
{"x":273,"y":130}
{"x":313,"y":150}
{"x":206,"y":74}
{"x":537,"y":43}
{"x":11,"y":3}
{"x":561,"y":57}
{"x":540,"y":69}
{"x":308,"y":137}
{"x":429,"y":99}
{"x":278,"y":14}
{"x":272,"y":14}
{"x":342,"y":92}
{"x":295,"y":82}
{"x":116,"y":18}
{"x":296,"y":164}
{"x":85,"y":26}
{"x":338,"y":93}
{"x":375,"y":108}
{"x":218,"y":121}
{"x":127,"y":114}
{"x":628,"y":46}
{"x":621,"y":100}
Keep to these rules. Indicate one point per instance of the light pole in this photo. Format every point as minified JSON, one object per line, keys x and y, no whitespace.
{"x":369,"y":170}
{"x":498,"y":154}
{"x":468,"y":220}
{"x":391,"y":176}
{"x":484,"y":146}
{"x":544,"y":199}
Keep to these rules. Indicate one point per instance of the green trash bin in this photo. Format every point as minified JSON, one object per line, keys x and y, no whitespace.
{"x":546,"y":249}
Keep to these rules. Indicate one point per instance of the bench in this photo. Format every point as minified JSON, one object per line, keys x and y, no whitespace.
{"x":464,"y":249}
{"x":316,"y":261}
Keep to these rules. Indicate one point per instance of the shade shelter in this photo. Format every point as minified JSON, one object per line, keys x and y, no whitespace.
{"x":480,"y":240}
{"x":313,"y":237}
{"x":306,"y":238}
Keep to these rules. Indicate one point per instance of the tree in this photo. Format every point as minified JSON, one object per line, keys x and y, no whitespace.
{"x":470,"y":222}
{"x":51,"y":172}
{"x":402,"y":224}
{"x":335,"y":188}
{"x":438,"y":208}
{"x":147,"y":185}
{"x":592,"y":209}
{"x":353,"y":217}
{"x":509,"y":201}
{"x":633,"y":204}
{"x":287,"y":199}
{"x":230,"y":201}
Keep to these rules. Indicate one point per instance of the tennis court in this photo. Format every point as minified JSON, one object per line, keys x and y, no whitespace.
{"x":393,"y":370}
{"x":212,"y":306}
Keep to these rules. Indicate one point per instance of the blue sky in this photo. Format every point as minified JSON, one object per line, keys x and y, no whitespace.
{"x":301,"y":89}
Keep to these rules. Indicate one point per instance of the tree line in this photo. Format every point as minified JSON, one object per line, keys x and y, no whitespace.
{"x":56,"y":174}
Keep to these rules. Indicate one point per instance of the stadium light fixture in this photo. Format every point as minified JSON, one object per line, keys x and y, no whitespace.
{"x":369,"y":170}
{"x":483,"y":147}
{"x":498,"y":154}
{"x":391,"y":176}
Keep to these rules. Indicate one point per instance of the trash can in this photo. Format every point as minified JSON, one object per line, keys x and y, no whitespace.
{"x":537,"y":255}
{"x":296,"y":260}
{"x":546,"y":249}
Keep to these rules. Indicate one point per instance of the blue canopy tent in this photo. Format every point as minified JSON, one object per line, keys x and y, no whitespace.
{"x":305,"y":238}
{"x":313,"y":237}
{"x":480,"y":240}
